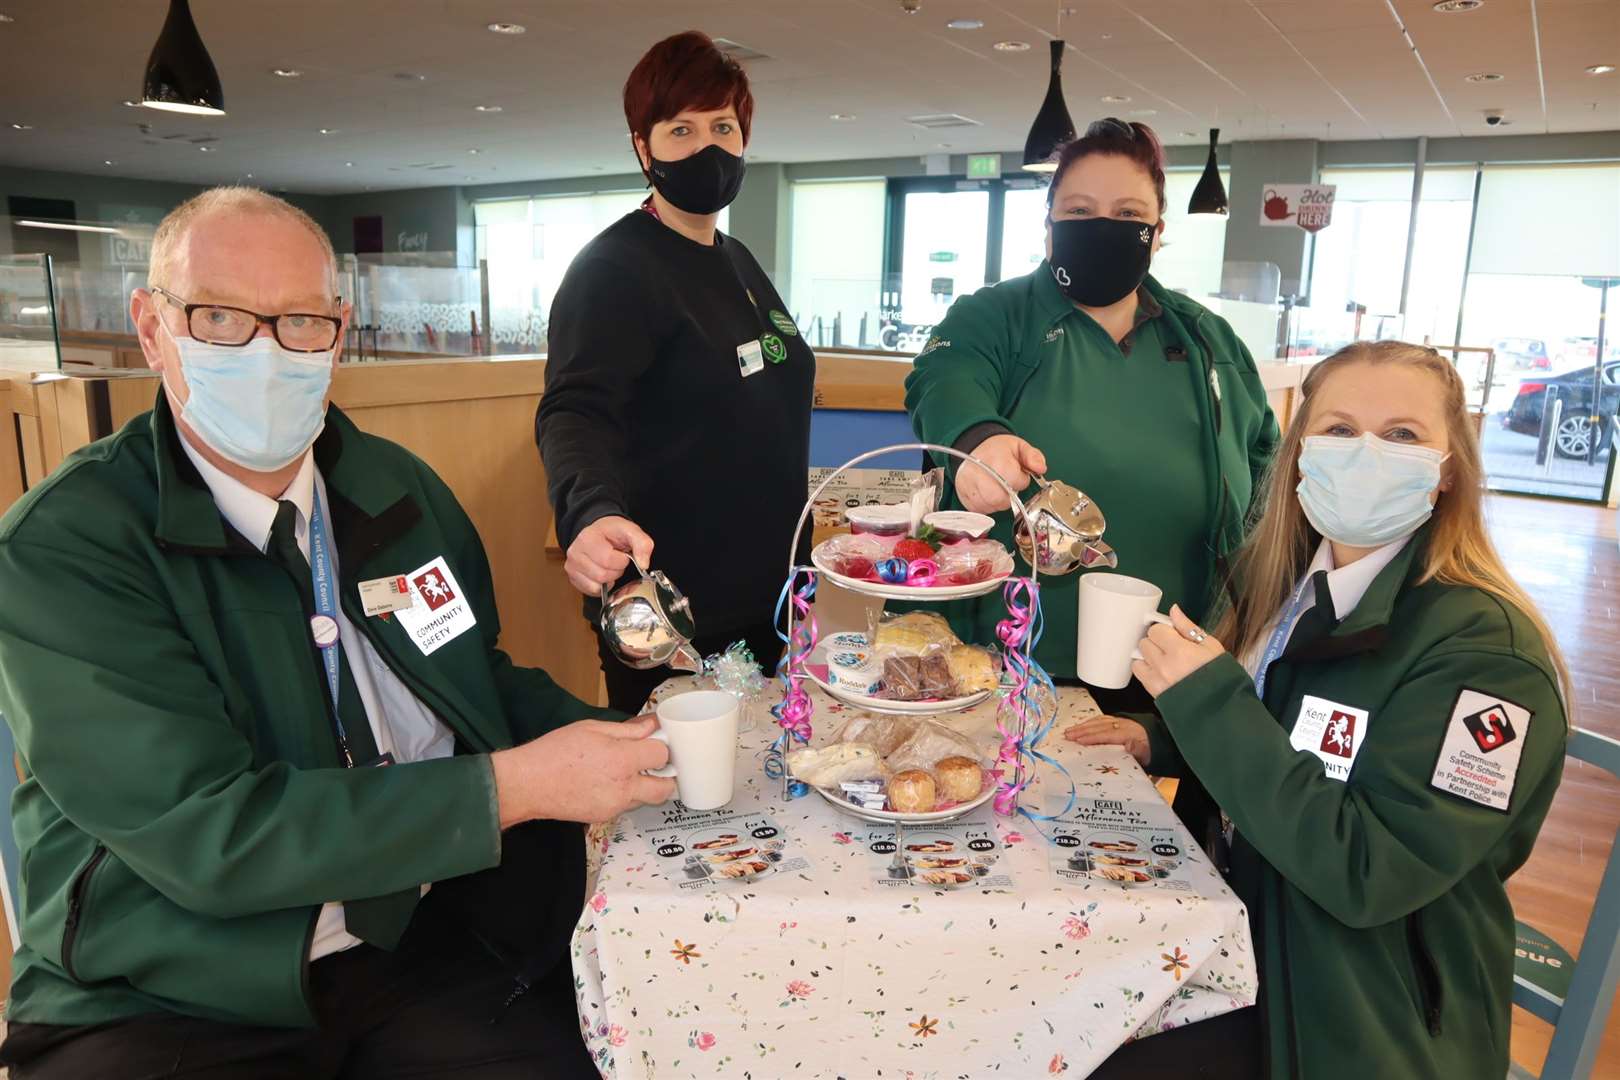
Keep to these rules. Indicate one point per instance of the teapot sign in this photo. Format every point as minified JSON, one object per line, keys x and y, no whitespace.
{"x":1310,"y":206}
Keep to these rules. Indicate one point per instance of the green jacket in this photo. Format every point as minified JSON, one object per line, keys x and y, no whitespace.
{"x":1384,"y":932}
{"x":183,"y":814}
{"x":984,"y":354}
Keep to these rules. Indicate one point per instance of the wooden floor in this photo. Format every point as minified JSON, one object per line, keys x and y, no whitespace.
{"x":1567,"y":557}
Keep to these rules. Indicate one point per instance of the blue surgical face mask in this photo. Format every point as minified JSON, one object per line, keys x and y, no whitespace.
{"x":258,"y":405}
{"x":1366,"y":492}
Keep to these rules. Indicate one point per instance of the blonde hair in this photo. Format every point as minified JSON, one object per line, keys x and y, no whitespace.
{"x":1282,"y":542}
{"x":238,"y":198}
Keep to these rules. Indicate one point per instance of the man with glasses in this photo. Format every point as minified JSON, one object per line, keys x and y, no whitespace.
{"x":286,"y":809}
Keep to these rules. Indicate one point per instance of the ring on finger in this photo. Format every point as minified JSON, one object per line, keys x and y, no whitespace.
{"x":1197,"y":636}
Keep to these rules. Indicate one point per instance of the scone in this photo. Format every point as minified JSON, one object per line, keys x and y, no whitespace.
{"x":958,"y":779}
{"x":972,"y":669}
{"x":912,"y":792}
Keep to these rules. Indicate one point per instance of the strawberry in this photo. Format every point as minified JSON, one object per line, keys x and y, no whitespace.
{"x":913,"y":550}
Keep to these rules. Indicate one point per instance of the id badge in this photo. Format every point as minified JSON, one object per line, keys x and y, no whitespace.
{"x":380,"y":596}
{"x":750,"y":358}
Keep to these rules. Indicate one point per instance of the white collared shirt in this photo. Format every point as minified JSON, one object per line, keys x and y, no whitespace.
{"x":1346,"y":586}
{"x":400,"y":724}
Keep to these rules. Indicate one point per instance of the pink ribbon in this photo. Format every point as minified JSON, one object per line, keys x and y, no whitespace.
{"x":794,"y":713}
{"x":922,"y":573}
{"x":1022,"y":595}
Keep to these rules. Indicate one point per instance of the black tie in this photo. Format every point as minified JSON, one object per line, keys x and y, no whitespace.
{"x":379,"y":920}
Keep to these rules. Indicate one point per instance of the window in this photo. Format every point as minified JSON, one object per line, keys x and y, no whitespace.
{"x":529,"y":244}
{"x":835,"y":281}
{"x":1194,"y":244}
{"x":1357,"y":262}
{"x":1546,"y":258}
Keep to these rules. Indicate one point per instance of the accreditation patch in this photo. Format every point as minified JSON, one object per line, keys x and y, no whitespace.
{"x":1479,"y":761}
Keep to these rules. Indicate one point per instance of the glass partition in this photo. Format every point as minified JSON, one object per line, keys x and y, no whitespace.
{"x":27,"y":314}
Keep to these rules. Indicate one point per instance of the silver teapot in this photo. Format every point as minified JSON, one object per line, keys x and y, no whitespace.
{"x":1068,"y":529}
{"x":647,"y":622}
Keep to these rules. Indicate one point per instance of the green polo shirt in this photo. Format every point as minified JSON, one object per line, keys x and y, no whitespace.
{"x":1166,"y":430}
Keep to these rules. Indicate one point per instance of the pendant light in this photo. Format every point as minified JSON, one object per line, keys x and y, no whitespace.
{"x":1052,"y":127}
{"x":180,"y":77}
{"x":1209,"y":197}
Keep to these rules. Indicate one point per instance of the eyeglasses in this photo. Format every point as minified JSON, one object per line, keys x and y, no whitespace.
{"x":217,"y":324}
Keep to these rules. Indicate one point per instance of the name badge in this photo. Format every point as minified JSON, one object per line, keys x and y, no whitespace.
{"x":750,"y":358}
{"x":383,"y":595}
{"x":439,"y":613}
{"x":1332,"y":732}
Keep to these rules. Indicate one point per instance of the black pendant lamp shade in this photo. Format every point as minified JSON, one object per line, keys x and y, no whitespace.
{"x":1209,"y":197}
{"x":1052,"y":127}
{"x":180,"y":77}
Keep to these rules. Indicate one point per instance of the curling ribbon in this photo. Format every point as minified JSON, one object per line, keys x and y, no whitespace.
{"x":1031,"y":702}
{"x":922,"y":573}
{"x":794,"y":711}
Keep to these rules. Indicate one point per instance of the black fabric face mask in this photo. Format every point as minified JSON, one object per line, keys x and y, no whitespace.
{"x":704,"y":183}
{"x":1100,"y":261}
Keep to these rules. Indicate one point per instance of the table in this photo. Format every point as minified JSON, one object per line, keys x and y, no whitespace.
{"x":830,"y":971}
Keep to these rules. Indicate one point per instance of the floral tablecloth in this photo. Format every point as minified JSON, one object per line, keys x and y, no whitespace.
{"x":829,"y":971}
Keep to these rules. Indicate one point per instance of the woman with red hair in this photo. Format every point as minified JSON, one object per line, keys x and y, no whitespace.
{"x":678,"y":390}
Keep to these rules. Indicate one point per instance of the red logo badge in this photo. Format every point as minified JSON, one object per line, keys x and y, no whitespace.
{"x":1339,"y":737}
{"x":1490,"y":728}
{"x":433,"y":589}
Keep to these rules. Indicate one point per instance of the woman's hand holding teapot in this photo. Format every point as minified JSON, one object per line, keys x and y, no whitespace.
{"x":1015,"y":459}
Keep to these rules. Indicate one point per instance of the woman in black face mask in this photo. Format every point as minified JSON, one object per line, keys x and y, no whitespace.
{"x":675,"y":424}
{"x":1088,"y":371}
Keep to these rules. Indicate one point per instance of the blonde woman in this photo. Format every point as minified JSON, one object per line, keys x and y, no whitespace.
{"x":1380,"y":717}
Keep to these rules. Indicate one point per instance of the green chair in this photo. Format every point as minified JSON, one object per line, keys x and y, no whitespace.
{"x":1575,"y":997}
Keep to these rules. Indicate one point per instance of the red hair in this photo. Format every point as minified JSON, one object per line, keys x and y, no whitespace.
{"x":687,"y":71}
{"x":1110,"y":136}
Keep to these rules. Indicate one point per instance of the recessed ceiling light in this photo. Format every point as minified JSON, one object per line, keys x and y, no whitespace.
{"x":329,"y":131}
{"x":286,"y":73}
{"x":348,"y":164}
{"x":1189,"y":135}
{"x":1483,"y":77}
{"x":506,"y":28}
{"x":1452,"y":7}
{"x":841,"y":116}
{"x":475,"y":150}
{"x":6,"y":18}
{"x":131,"y":104}
{"x":1105,"y":37}
{"x":487,"y":108}
{"x":965,"y":24}
{"x":1114,"y":99}
{"x":109,"y":162}
{"x":1600,"y":69}
{"x":206,"y":149}
{"x":1144,"y":112}
{"x":943,"y":145}
{"x":1011,"y":46}
{"x":23,"y":127}
{"x":409,"y":76}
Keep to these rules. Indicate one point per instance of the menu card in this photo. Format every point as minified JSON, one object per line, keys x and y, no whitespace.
{"x":1133,"y":844}
{"x":709,"y":849}
{"x":857,"y":487}
{"x":961,"y":854}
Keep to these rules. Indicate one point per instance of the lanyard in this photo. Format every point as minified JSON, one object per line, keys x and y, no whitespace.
{"x":1279,"y":636}
{"x":320,"y":573}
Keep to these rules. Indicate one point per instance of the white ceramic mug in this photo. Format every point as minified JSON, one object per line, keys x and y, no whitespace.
{"x":700,"y":728}
{"x":1115,"y":611}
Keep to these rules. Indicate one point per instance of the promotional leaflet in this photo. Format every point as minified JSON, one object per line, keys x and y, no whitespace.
{"x":715,"y":848}
{"x":1132,"y":844}
{"x":961,"y":854}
